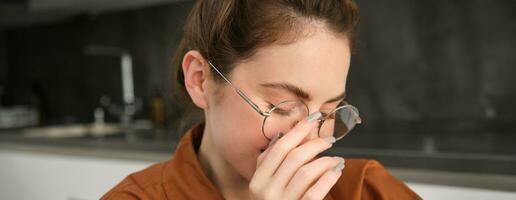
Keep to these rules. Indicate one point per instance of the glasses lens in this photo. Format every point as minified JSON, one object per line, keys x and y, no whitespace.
{"x":340,"y":122}
{"x":283,"y":117}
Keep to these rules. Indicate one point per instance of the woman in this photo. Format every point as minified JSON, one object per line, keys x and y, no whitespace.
{"x":270,"y":76}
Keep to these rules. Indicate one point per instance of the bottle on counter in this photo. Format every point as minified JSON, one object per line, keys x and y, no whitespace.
{"x":158,"y":114}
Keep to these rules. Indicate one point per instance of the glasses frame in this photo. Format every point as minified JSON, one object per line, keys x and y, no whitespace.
{"x":267,"y":114}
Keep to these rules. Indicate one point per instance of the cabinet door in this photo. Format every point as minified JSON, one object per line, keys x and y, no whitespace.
{"x":31,"y":175}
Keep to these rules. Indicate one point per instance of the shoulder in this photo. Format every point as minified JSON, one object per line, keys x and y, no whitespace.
{"x":368,"y":179}
{"x":144,"y":184}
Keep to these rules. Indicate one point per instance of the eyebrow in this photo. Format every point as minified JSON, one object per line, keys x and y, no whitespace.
{"x":299,"y":92}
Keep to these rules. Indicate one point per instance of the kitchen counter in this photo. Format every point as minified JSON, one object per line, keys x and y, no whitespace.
{"x":411,"y":157}
{"x":144,"y":146}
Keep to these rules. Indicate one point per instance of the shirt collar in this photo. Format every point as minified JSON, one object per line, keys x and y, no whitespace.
{"x":183,"y":176}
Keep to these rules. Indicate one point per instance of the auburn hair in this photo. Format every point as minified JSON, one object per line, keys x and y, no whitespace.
{"x":228,"y":31}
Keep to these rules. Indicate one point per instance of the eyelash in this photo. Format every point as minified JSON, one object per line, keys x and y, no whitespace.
{"x":270,"y":106}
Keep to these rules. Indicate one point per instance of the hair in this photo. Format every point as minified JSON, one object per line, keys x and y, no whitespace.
{"x":228,"y":31}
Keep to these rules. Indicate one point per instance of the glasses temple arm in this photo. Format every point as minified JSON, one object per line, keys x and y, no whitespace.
{"x":238,"y":91}
{"x":255,"y":107}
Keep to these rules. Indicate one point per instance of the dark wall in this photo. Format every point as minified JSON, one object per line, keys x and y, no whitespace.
{"x":436,"y":61}
{"x":3,"y":58}
{"x":52,"y":57}
{"x":439,"y":64}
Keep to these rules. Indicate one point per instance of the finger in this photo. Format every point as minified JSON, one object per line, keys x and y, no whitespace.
{"x":264,"y":153}
{"x":321,"y":188}
{"x":299,"y":157}
{"x":280,"y":149}
{"x":309,"y":174}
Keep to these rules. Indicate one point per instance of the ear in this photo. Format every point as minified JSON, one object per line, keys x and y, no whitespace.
{"x":196,"y":75}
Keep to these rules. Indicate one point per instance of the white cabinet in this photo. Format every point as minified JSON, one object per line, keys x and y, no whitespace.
{"x":27,"y":175}
{"x":443,"y":192}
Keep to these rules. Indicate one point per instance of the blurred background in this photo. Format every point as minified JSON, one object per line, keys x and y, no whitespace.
{"x":86,"y":94}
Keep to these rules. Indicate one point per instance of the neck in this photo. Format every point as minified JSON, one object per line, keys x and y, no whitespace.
{"x":231,"y":184}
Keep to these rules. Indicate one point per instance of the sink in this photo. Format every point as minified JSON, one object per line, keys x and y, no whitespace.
{"x":72,"y":130}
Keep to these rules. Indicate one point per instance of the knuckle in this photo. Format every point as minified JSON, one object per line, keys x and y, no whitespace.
{"x":309,"y":196}
{"x":254,"y":187}
{"x":326,"y":160}
{"x":295,"y":156}
{"x":269,"y":195}
{"x":261,"y":192}
{"x":305,"y":173}
{"x":324,"y":143}
{"x":331,"y":160}
{"x":279,"y":148}
{"x":326,"y":181}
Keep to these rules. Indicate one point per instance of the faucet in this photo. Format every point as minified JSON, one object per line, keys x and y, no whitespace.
{"x":126,"y":67}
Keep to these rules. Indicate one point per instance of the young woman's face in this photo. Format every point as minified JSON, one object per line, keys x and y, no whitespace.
{"x":317,"y":64}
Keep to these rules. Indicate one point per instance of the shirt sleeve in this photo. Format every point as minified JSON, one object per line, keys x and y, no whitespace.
{"x":379,"y":184}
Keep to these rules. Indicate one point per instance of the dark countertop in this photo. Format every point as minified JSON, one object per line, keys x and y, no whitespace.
{"x":141,"y":141}
{"x":142,"y":145}
{"x":474,"y":152}
{"x":488,"y":160}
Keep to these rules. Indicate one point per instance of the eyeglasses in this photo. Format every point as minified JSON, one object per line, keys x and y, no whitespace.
{"x":282,"y":117}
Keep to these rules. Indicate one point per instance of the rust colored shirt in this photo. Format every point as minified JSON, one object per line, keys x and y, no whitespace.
{"x":183,"y":178}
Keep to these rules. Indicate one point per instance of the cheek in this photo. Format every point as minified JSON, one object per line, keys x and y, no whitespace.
{"x":238,"y":136}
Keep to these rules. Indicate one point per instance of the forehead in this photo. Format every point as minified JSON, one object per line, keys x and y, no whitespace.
{"x":318,"y":63}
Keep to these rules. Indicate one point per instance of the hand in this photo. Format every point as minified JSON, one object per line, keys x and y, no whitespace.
{"x":288,"y":170}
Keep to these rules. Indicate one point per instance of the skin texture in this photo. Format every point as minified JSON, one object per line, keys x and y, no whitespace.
{"x":232,"y":145}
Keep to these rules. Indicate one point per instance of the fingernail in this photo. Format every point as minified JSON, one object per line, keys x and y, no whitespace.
{"x":314,"y":116}
{"x":275,"y":138}
{"x":330,"y":140}
{"x":339,"y":166}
